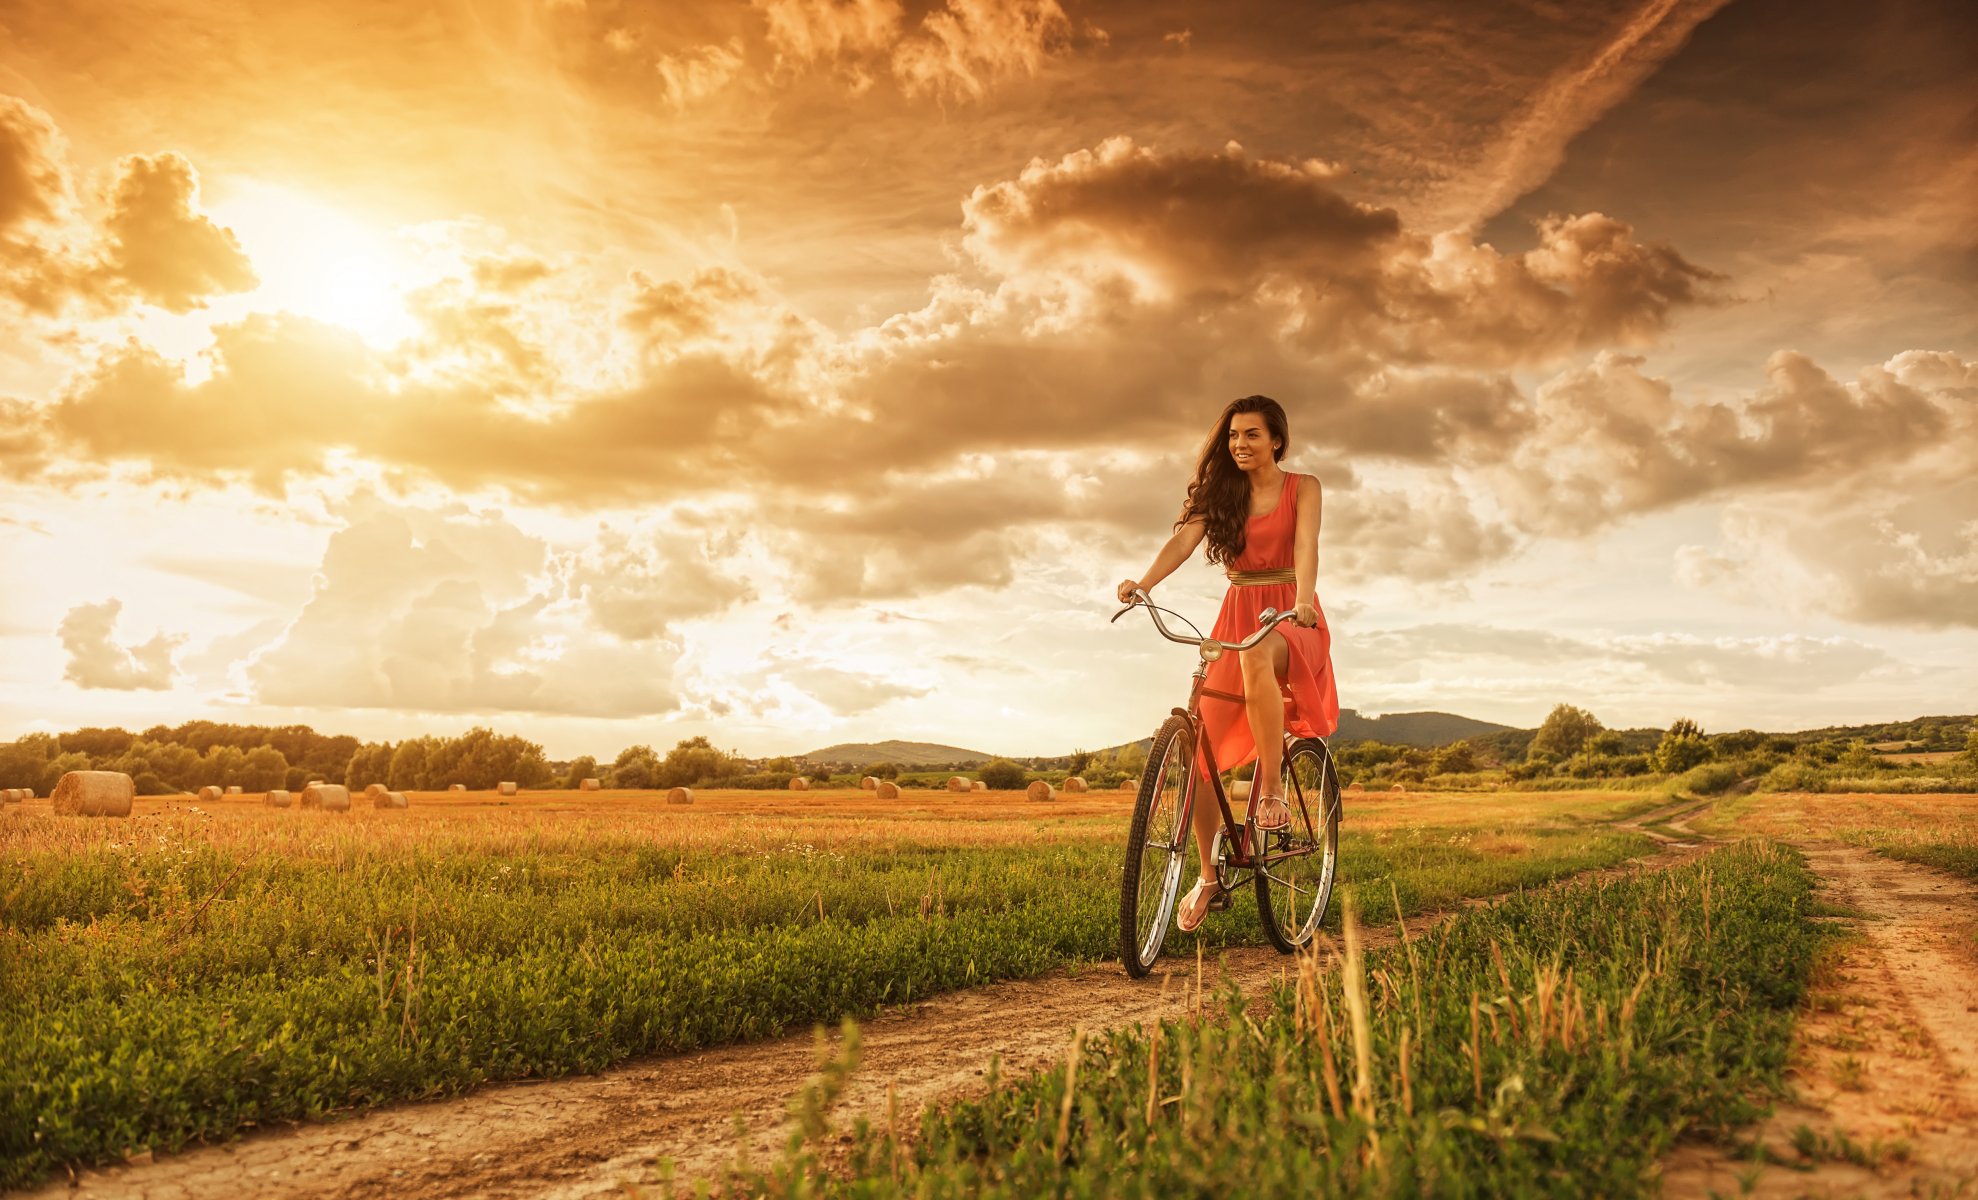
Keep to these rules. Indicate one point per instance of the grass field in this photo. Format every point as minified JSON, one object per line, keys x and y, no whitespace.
{"x":1553,"y":1045}
{"x":1935,"y":830}
{"x":200,"y":969}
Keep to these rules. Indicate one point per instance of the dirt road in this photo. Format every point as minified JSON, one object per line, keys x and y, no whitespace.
{"x":590,"y":1135}
{"x":1885,"y":1059}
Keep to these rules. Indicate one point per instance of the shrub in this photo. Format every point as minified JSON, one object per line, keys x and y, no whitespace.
{"x":1682,"y":748}
{"x":1004,"y":775}
{"x":1708,"y":779}
{"x":1794,"y":776}
{"x":1455,"y":759}
{"x":1904,"y":785}
{"x":1531,"y":768}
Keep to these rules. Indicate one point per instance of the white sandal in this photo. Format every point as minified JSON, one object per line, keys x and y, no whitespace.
{"x":1214,"y":888}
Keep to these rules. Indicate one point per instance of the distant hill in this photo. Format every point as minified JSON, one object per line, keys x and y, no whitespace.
{"x":1396,"y":729}
{"x":1412,"y":728}
{"x":905,"y":754}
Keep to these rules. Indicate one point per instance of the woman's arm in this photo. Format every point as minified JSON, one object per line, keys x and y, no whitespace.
{"x":1305,"y":547}
{"x":1174,"y":553}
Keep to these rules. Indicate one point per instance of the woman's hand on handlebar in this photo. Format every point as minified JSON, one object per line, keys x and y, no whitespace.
{"x":1308,"y":616}
{"x":1126,"y":590}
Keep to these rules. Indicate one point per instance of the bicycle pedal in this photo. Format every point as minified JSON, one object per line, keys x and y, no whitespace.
{"x":1220,"y":903}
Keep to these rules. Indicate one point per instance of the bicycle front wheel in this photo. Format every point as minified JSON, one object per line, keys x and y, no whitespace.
{"x":1295,"y":875}
{"x":1156,"y":845}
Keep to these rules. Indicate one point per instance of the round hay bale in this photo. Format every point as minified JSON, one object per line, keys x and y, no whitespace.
{"x":799,"y":784}
{"x":11,"y":796}
{"x":375,"y":790}
{"x":1397,"y":788}
{"x":456,"y":787}
{"x":26,"y":793}
{"x":1129,"y":785}
{"x":278,"y":798}
{"x":978,"y":786}
{"x":959,"y":783}
{"x":1040,"y":790}
{"x":1075,"y":783}
{"x":389,"y":800}
{"x":680,"y":795}
{"x":869,"y":784}
{"x":506,"y":788}
{"x":589,"y":785}
{"x":233,"y":789}
{"x":330,"y":797}
{"x":94,"y":794}
{"x":1239,"y":792}
{"x":210,"y":792}
{"x":887,"y":790}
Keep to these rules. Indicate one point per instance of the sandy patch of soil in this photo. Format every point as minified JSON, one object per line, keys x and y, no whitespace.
{"x":1885,"y":1058}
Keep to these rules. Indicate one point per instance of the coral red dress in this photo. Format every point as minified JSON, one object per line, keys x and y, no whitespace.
{"x":1311,"y":700}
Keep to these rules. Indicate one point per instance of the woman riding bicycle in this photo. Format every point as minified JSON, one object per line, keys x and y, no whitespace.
{"x":1262,"y":525}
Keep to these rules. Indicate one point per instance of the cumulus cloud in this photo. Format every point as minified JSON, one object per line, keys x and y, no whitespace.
{"x":1608,"y":441}
{"x":36,"y":198}
{"x":1131,"y":290}
{"x":1427,"y":534}
{"x":721,"y":367}
{"x":98,"y":660}
{"x":1126,"y":225}
{"x":157,"y":244}
{"x":153,"y":244}
{"x":842,"y":691}
{"x":1884,"y":556}
{"x":637,"y":584}
{"x":1761,"y":663}
{"x":454,"y":610}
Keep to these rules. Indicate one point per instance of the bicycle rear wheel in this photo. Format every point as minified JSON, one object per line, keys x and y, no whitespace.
{"x":1294,"y":892}
{"x":1156,"y":849}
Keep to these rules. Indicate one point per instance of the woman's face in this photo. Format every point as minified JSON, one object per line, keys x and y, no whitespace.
{"x":1250,"y":441}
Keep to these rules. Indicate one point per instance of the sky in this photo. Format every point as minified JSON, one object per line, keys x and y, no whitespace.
{"x":805,"y":371}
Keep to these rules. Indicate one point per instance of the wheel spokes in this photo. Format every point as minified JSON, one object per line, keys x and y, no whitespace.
{"x":1160,"y":857}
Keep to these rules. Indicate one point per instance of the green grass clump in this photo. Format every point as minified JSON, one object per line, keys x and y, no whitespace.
{"x":1556,"y":1044}
{"x":1955,"y":851}
{"x":205,"y":976}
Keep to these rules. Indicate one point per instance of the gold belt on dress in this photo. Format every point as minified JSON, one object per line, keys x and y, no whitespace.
{"x":1259,"y":578}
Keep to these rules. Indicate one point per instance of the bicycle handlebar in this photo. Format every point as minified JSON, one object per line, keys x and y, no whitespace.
{"x":1268,"y":620}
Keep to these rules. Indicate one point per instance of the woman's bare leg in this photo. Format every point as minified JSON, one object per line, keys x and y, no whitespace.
{"x":1205,"y":818}
{"x":1264,"y":666}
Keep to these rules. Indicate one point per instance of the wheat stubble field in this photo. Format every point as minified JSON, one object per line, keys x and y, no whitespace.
{"x":225,"y":999}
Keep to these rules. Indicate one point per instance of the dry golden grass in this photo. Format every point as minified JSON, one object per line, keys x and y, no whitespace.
{"x":1847,"y":817}
{"x":727,"y":820}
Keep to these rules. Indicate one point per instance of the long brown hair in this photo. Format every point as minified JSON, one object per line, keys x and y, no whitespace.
{"x":1220,"y":492}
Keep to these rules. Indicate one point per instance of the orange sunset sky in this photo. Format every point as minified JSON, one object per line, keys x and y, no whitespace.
{"x":800,"y":371}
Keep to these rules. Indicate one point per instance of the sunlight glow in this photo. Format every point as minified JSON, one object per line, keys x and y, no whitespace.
{"x":317,"y":262}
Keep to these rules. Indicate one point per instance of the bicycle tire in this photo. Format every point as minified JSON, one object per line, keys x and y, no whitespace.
{"x":1308,"y":770}
{"x":1145,"y":911}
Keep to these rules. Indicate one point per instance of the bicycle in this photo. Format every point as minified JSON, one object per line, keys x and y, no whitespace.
{"x":1293,"y":868}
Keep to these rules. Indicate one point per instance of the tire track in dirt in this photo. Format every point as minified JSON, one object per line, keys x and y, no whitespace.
{"x":591,"y":1135}
{"x":1885,"y":1053}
